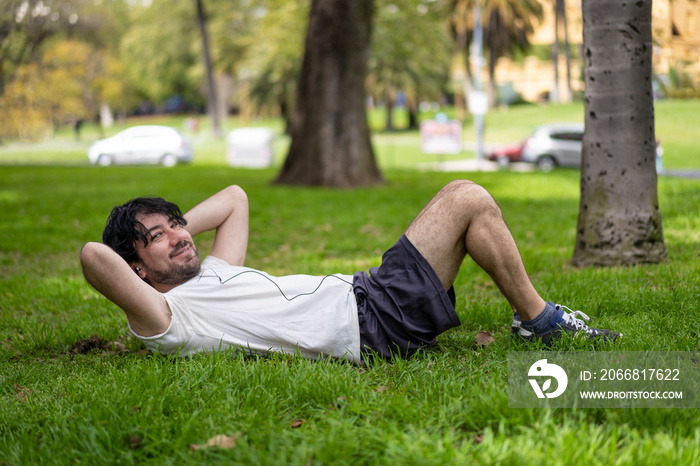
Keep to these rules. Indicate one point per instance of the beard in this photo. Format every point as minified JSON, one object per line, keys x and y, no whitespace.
{"x":176,"y":274}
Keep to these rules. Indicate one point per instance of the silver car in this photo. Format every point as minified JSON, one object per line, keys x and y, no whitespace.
{"x":554,"y":145}
{"x":147,"y":144}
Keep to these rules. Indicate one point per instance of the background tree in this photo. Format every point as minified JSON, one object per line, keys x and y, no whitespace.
{"x":460,"y":21}
{"x":330,"y":135}
{"x":69,"y":83}
{"x":212,"y":99}
{"x":561,"y":19}
{"x":276,"y":58}
{"x":161,"y":51}
{"x":507,"y":27}
{"x":567,"y":46}
{"x":619,"y":220}
{"x":27,"y":27}
{"x":411,"y":53}
{"x":164,"y":51}
{"x":234,"y":29}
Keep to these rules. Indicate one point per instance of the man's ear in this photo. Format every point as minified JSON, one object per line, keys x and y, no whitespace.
{"x":137,"y":267}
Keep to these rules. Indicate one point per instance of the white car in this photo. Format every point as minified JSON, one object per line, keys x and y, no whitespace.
{"x":147,"y":144}
{"x":554,"y":145}
{"x":560,"y":145}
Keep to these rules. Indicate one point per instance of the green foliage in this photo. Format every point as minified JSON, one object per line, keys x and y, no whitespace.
{"x":448,"y":405}
{"x":70,"y":83}
{"x":411,"y":51}
{"x":160,"y":49}
{"x":163,"y":46}
{"x":277,"y":56}
{"x":677,"y":84}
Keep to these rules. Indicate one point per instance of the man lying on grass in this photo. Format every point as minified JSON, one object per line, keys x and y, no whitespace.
{"x":175,"y":303}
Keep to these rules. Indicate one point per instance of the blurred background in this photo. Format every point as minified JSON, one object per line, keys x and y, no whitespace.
{"x":76,"y":71}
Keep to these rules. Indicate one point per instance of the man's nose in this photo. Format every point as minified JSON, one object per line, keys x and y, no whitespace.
{"x":178,"y":235}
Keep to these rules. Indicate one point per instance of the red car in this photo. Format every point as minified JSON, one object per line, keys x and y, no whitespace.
{"x":506,"y":154}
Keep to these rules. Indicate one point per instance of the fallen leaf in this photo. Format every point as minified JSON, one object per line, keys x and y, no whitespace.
{"x":21,"y":392}
{"x":135,"y":441}
{"x":226,"y":442}
{"x":115,"y":347}
{"x":297,"y":423}
{"x":483,"y":339}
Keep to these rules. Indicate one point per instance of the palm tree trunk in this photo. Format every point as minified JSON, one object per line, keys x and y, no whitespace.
{"x":619,"y":220}
{"x":554,"y":96}
{"x":567,"y":48}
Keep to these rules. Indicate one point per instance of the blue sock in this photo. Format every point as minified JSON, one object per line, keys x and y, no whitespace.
{"x":544,"y":322}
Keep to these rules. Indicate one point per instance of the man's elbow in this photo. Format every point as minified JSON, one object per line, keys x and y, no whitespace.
{"x":237,"y":192}
{"x":237,"y":195}
{"x":89,"y":255}
{"x":93,"y":256}
{"x":88,"y":252}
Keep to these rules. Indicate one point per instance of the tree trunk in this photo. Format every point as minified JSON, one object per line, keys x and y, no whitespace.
{"x":389,"y":123}
{"x":330,"y":134}
{"x":554,"y":95}
{"x":212,"y":101}
{"x":412,"y":110}
{"x":461,"y":14}
{"x":619,"y":220}
{"x":567,"y":48}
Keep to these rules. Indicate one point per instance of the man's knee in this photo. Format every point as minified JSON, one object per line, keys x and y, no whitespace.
{"x":456,"y":184}
{"x":474,"y":195}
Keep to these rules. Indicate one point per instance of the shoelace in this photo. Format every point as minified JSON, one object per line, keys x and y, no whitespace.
{"x":571,"y":319}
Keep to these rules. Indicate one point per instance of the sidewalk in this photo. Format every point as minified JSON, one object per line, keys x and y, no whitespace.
{"x":473,"y":165}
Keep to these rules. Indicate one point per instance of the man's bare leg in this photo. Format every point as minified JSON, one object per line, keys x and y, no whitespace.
{"x":463,"y":218}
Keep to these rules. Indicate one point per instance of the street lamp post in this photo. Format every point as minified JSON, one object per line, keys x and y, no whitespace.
{"x":478,"y":102}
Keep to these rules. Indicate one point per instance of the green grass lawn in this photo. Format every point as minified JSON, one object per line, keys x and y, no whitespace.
{"x":447,"y":405}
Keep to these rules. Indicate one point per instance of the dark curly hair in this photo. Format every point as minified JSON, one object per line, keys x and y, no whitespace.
{"x":123,"y":230}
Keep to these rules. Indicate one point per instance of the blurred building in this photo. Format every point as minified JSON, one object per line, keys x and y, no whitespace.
{"x":676,"y":40}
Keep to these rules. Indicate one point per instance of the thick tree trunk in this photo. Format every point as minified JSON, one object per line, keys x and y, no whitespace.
{"x":619,"y":221}
{"x":330,"y":134}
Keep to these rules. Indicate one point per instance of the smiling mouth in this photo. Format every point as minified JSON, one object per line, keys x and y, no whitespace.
{"x":181,"y":250}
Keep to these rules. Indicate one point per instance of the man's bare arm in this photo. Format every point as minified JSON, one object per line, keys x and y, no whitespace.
{"x":227,"y":212}
{"x":146,"y":309}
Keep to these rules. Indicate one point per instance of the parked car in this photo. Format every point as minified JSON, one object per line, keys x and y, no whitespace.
{"x":554,"y":145}
{"x":147,"y":144}
{"x":505,"y":155}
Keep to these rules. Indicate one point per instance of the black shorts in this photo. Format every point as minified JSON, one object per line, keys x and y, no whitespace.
{"x":402,"y":305}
